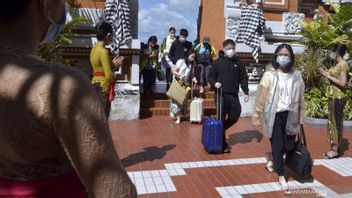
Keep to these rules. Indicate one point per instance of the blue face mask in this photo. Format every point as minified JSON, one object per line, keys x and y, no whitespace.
{"x":54,"y":28}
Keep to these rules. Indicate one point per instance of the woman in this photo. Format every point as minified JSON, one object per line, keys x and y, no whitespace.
{"x":164,"y":60}
{"x":55,"y":140}
{"x":102,"y":64}
{"x":182,"y":71}
{"x":149,"y":61}
{"x":337,"y":76}
{"x":279,"y":107}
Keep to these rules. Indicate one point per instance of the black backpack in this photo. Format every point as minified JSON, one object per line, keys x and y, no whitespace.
{"x":204,"y":53}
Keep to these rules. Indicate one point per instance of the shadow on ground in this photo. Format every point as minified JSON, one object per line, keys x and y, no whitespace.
{"x":245,"y":137}
{"x":149,"y":154}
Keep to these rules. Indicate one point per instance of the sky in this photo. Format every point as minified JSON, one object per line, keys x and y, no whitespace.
{"x":155,"y":17}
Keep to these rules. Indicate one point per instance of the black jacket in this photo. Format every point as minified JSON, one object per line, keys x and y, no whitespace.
{"x":230,"y":72}
{"x":179,"y":50}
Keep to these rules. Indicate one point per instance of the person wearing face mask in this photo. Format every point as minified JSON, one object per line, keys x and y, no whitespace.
{"x":55,"y":139}
{"x":205,"y":53}
{"x":336,"y":92}
{"x":228,"y":73}
{"x":179,"y":48}
{"x":279,"y":108}
{"x":102,"y":65}
{"x":183,"y":70}
{"x":164,"y":60}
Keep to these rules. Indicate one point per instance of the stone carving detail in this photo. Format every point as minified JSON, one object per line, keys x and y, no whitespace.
{"x":232,"y":25}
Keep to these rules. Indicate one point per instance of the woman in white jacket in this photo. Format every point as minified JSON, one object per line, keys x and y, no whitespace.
{"x":183,"y":70}
{"x":279,"y":107}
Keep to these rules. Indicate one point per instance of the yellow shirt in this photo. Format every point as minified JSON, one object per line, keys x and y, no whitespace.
{"x":101,"y":62}
{"x":334,"y":91}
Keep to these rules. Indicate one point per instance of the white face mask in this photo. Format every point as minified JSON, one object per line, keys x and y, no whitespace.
{"x":183,"y":39}
{"x":54,"y":28}
{"x":283,"y":60}
{"x":229,"y":53}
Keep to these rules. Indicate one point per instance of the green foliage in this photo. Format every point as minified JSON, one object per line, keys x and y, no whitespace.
{"x":51,"y":51}
{"x":308,"y":64}
{"x":348,"y":106}
{"x":316,"y":103}
{"x":319,"y":37}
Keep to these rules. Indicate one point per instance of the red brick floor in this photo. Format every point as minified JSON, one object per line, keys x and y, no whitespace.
{"x":149,"y":144}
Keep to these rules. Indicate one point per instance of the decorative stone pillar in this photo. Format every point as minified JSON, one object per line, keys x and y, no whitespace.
{"x":232,"y":14}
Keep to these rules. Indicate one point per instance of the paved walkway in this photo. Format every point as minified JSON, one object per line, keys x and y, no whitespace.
{"x":168,"y":160}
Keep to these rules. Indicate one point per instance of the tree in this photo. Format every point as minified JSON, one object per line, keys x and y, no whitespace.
{"x":51,"y":51}
{"x":318,"y":37}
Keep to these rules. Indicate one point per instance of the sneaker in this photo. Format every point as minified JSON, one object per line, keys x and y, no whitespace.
{"x":269,"y":166}
{"x":201,"y":90}
{"x":178,"y":121}
{"x":227,"y":149}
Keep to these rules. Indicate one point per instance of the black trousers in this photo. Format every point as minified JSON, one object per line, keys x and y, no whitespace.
{"x":230,"y":111}
{"x":168,"y":78}
{"x":281,"y":142}
{"x":149,"y":78}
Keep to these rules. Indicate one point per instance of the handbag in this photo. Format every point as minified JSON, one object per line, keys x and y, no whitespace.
{"x":300,"y":160}
{"x":160,"y":75}
{"x":178,"y":91}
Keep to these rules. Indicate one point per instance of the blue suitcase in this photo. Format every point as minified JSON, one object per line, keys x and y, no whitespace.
{"x":212,"y":132}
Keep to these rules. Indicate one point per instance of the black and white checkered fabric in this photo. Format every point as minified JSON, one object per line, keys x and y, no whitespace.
{"x":117,"y":13}
{"x":251,"y":28}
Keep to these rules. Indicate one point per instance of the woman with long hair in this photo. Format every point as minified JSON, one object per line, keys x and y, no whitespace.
{"x":337,"y":76}
{"x":184,"y":71}
{"x":279,"y":107}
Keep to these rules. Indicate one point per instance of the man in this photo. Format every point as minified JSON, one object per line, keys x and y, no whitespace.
{"x":164,"y":60}
{"x":227,"y":73}
{"x":205,"y":54}
{"x":179,"y":48}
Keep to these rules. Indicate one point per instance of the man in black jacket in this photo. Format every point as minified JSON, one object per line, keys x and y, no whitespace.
{"x":228,"y":72}
{"x":179,"y":49}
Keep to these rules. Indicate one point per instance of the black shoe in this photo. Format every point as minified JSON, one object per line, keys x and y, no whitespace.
{"x":227,"y":149}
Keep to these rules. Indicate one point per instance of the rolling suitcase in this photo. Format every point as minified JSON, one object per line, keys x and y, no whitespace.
{"x":196,"y":109}
{"x":212,"y":131}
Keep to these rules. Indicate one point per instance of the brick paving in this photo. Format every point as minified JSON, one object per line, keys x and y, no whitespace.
{"x":168,"y":160}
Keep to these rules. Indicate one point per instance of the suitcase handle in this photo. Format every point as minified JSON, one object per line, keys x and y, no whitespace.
{"x":218,"y":102}
{"x":192,"y":89}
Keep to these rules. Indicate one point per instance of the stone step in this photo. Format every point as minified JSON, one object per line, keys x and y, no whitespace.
{"x":163,"y":96}
{"x":166,"y":103}
{"x":160,"y":111}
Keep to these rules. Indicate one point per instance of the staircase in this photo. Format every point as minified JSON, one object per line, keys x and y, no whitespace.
{"x":159,"y":104}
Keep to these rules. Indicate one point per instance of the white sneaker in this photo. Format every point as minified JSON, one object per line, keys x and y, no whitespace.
{"x":177,"y":121}
{"x":269,"y":166}
{"x":201,"y":90}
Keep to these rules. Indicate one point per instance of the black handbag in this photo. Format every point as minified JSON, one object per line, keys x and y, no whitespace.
{"x":300,"y":160}
{"x":160,"y":75}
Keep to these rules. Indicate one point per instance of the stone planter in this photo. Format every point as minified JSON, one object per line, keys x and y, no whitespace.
{"x":322,"y":123}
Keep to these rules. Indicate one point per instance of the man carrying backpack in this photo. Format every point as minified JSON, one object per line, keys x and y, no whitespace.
{"x":205,"y":54}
